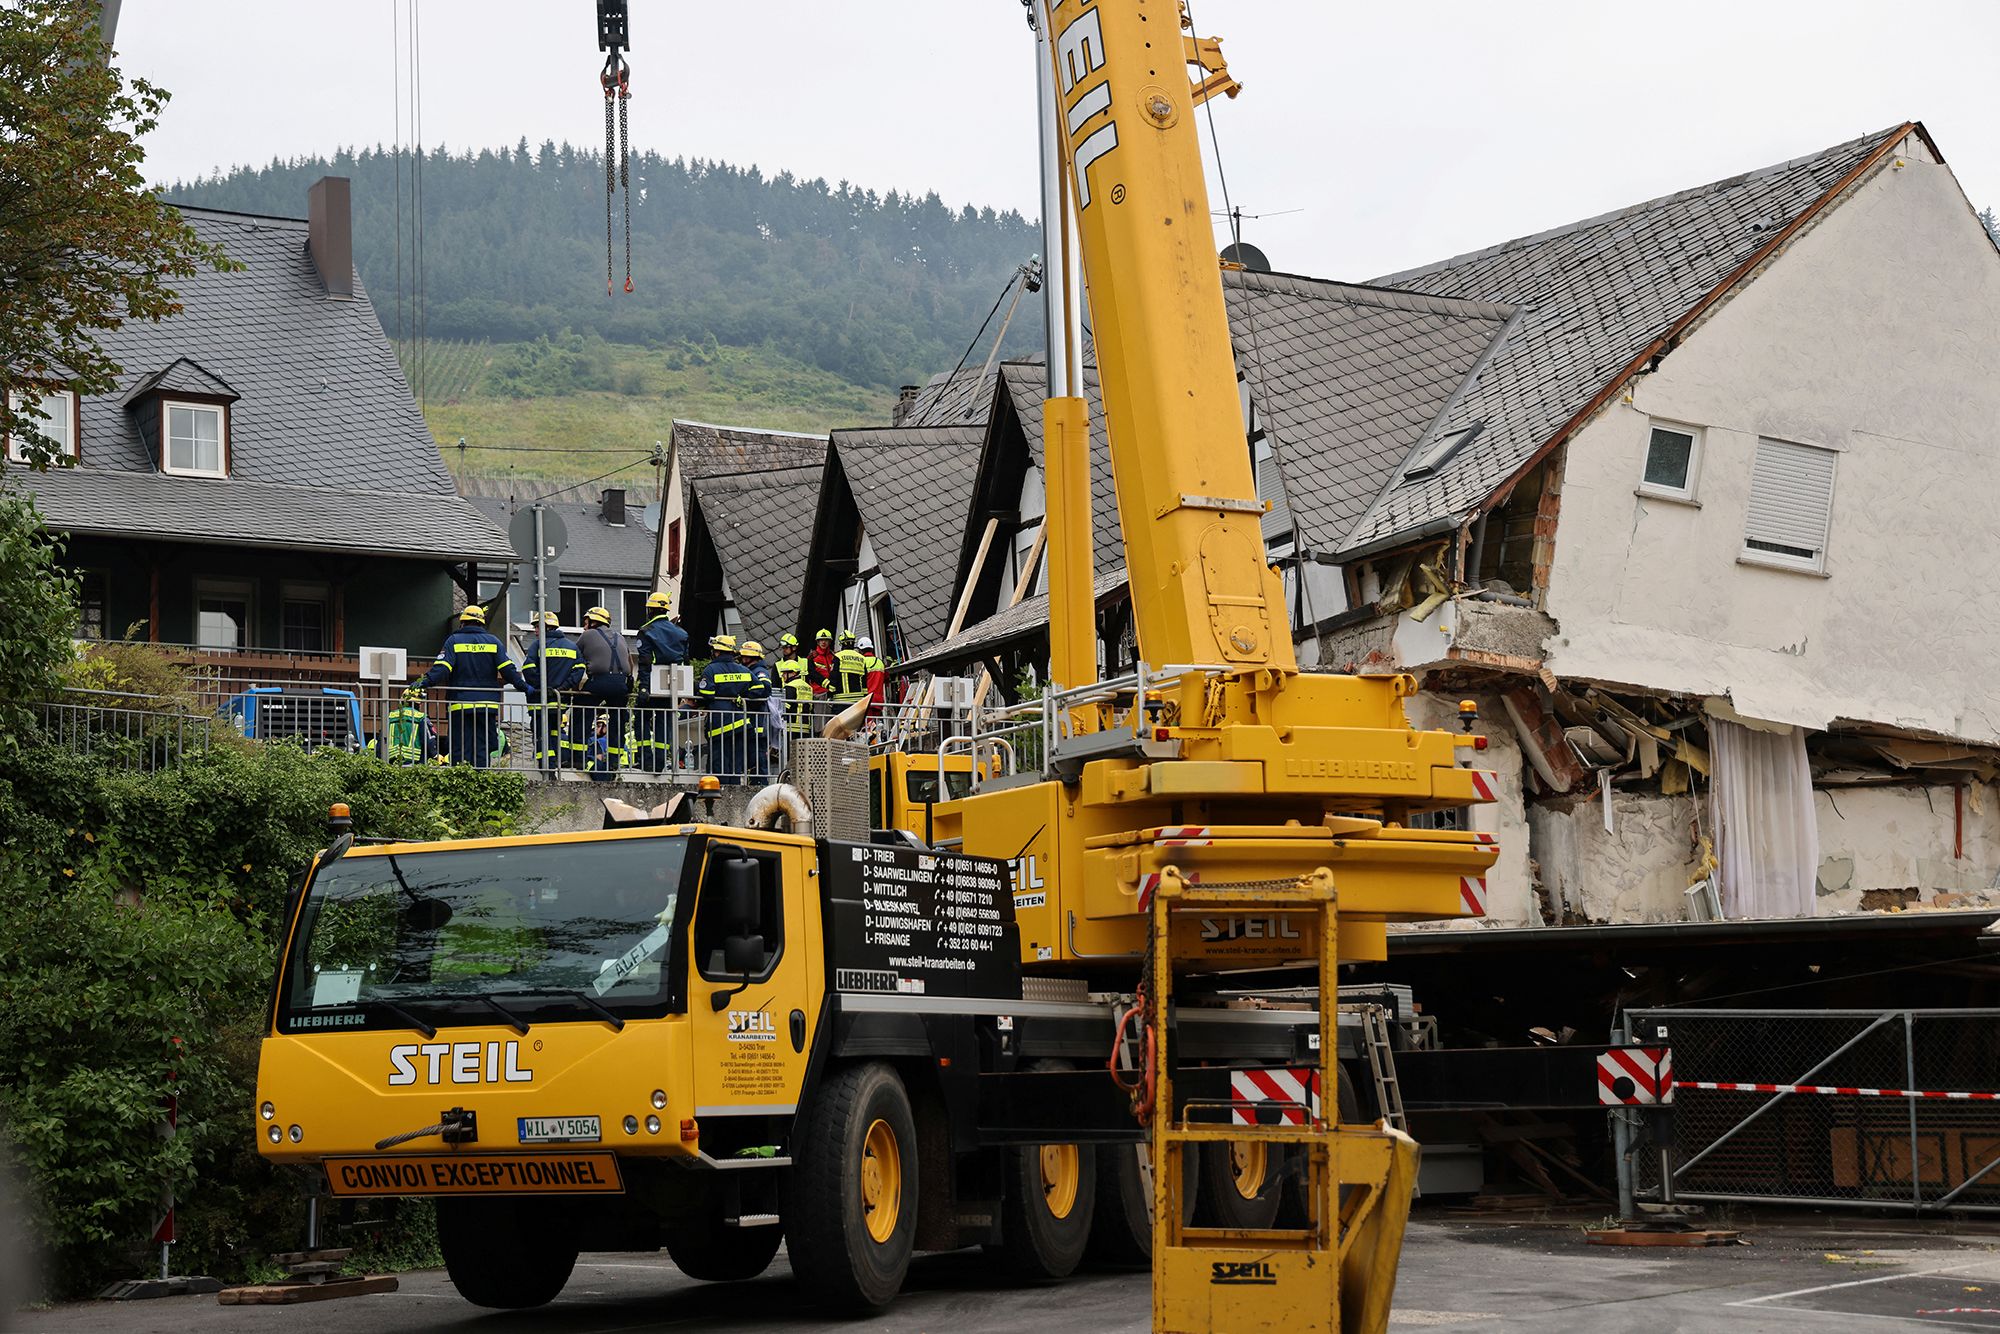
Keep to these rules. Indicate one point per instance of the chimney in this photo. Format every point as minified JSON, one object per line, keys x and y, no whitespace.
{"x":330,"y":234}
{"x":906,"y":398}
{"x":614,"y":507}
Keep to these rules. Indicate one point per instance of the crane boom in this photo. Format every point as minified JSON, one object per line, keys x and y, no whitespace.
{"x":1187,"y":502}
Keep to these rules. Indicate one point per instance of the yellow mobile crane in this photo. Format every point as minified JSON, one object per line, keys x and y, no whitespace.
{"x":713,"y":1039}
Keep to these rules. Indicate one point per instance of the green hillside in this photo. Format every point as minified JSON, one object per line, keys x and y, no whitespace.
{"x":601,"y":405}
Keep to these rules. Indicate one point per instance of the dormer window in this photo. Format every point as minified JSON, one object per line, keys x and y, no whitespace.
{"x":56,"y":409}
{"x":197,"y":439}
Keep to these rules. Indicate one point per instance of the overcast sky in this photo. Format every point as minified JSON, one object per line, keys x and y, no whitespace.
{"x":1372,"y":137}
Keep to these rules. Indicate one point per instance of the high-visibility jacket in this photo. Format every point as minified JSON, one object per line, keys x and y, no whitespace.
{"x":721,"y":688}
{"x":661,"y":644}
{"x":798,"y":707}
{"x":794,"y":663}
{"x":875,"y":675}
{"x":819,"y":669}
{"x":564,"y":671}
{"x":405,"y":736}
{"x":850,"y":675}
{"x":474,"y":665}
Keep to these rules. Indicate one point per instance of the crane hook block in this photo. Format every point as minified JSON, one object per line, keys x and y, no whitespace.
{"x":613,"y":34}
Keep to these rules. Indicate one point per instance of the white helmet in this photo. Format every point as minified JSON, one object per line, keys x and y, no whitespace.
{"x":865,"y":644}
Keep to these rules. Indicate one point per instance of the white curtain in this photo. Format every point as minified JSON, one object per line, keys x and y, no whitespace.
{"x":1767,"y":836}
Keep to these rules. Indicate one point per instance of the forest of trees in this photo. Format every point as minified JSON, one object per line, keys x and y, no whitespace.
{"x":880,"y":290}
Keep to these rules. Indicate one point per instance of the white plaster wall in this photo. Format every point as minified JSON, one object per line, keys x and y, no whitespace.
{"x":1876,"y":334}
{"x":1510,"y":890}
{"x":1903,"y":838}
{"x":1637,"y":873}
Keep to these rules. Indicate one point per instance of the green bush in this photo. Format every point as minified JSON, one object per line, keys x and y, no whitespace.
{"x":138,"y":942}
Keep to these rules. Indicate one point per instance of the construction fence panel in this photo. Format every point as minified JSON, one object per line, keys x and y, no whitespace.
{"x":1892,"y":1109}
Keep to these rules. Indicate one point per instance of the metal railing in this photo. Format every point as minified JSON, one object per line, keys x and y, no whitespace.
{"x":140,"y":733}
{"x":1883,"y":1109}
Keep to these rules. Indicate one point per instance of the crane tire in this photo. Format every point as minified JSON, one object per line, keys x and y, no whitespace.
{"x":503,"y":1253}
{"x":1242,"y":1183}
{"x":850,"y":1200}
{"x":1122,"y":1231}
{"x":703,"y":1248}
{"x":1048,"y":1199}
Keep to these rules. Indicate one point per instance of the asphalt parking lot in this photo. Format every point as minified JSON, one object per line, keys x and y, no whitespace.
{"x":1465,"y":1274}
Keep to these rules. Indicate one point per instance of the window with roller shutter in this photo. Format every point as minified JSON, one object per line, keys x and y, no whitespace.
{"x":1791,"y":506}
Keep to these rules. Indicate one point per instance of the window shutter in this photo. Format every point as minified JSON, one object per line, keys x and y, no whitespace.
{"x":1791,"y":502}
{"x":1271,"y":487}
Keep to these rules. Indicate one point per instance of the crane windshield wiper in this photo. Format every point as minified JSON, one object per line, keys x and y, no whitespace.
{"x":582,"y":998}
{"x":514,"y":1020}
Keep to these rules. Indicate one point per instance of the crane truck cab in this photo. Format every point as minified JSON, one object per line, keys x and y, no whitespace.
{"x":906,"y":786}
{"x":695,"y":1036}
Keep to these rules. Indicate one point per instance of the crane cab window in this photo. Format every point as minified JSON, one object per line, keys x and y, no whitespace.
{"x":715,"y":918}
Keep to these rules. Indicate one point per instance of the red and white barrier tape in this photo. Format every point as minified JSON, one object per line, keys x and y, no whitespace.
{"x":1832,"y":1090}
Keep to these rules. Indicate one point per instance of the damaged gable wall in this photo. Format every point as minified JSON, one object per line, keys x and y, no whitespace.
{"x":1877,"y":335}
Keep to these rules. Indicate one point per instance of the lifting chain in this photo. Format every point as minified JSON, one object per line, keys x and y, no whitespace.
{"x":616,"y":81}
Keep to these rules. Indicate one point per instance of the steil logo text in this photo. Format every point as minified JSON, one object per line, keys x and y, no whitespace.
{"x":1248,"y":928}
{"x":457,"y":1063}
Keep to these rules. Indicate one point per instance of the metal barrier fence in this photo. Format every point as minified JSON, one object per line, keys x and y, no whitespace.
{"x":1890,"y":1109}
{"x":123,"y":731}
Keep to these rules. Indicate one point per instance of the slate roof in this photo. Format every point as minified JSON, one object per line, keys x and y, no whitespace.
{"x":759,"y":524}
{"x":1595,"y":294}
{"x":181,"y":376}
{"x":327,"y":448}
{"x":596,"y":549}
{"x":1346,"y":380}
{"x":219,"y":512}
{"x":954,"y":398}
{"x":707,"y":450}
{"x":913,"y":486}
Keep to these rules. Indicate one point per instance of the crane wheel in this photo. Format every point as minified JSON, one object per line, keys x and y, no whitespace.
{"x":1122,"y":1232}
{"x":1241,"y":1184}
{"x":701,"y":1247}
{"x":1048,"y":1201}
{"x":508,"y":1254}
{"x":850,"y":1202}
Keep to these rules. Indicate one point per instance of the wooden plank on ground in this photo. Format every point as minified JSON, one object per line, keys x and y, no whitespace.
{"x":291,"y":1294}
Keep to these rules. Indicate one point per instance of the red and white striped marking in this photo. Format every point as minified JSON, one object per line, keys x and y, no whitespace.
{"x":1482,"y":783}
{"x":1300,"y":1088}
{"x":1472,"y":894}
{"x":1833,"y":1090}
{"x":1636,"y":1076}
{"x":1173,"y":836}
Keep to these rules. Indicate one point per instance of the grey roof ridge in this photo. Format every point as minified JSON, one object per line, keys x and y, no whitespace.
{"x":753,"y":430}
{"x":152,"y":379}
{"x":1693,"y":192}
{"x":1431,"y":431}
{"x":206,"y":211}
{"x":1385,"y":298}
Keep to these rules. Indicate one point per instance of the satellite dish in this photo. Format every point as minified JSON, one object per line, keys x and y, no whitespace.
{"x":1249,"y":256}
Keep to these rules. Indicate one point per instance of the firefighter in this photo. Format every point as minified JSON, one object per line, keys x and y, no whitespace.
{"x":874,"y":676}
{"x":661,"y":644}
{"x":850,"y":673}
{"x":720,"y":690}
{"x":788,"y":651}
{"x":608,"y":684}
{"x":762,"y":737}
{"x":549,"y":686}
{"x":474,"y":664}
{"x":406,"y":738}
{"x":820,"y":664}
{"x":798,"y":697}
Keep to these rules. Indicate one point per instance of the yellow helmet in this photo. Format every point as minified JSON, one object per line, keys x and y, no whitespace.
{"x":474,"y":613}
{"x":722,"y":644}
{"x":597,"y":616}
{"x":659,"y":602}
{"x":788,"y":640}
{"x":751,"y":648}
{"x":551,"y":620}
{"x":822,"y":634}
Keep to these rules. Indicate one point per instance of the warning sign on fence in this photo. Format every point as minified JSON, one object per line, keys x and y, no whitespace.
{"x":1635,"y":1076}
